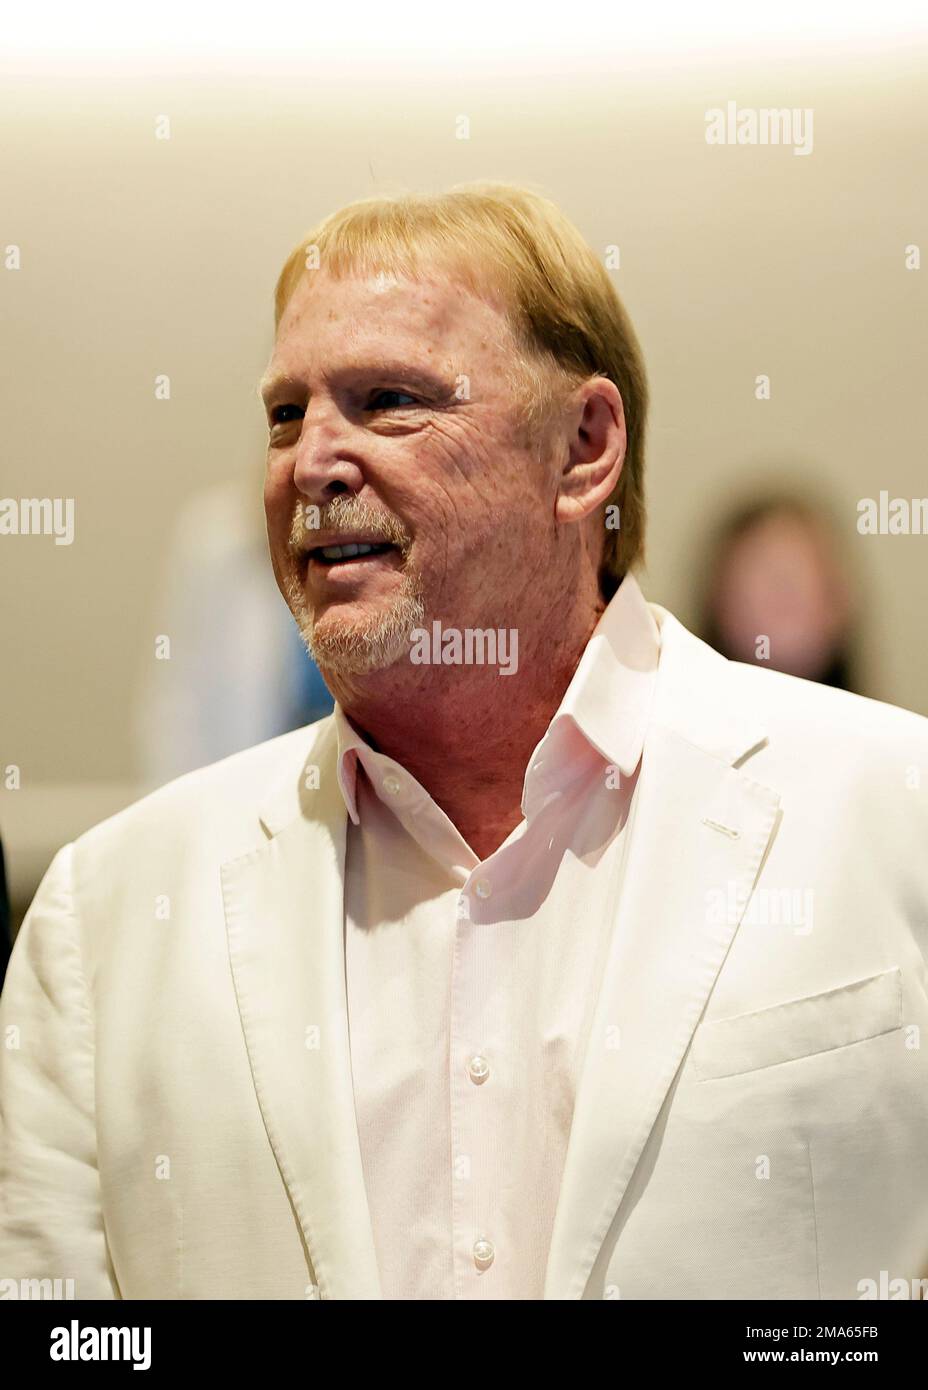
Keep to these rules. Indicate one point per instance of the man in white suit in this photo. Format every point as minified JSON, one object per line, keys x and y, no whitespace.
{"x":566,"y":959}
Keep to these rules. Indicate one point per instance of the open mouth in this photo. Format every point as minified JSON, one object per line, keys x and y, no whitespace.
{"x":331,"y":556}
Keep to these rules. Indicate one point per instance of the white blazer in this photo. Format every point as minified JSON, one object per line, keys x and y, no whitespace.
{"x":752,"y":1117}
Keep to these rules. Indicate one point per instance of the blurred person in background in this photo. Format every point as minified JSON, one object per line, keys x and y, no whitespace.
{"x":779,"y":592}
{"x":238,"y":672}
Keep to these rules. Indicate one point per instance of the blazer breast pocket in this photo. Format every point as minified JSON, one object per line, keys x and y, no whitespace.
{"x":799,"y":1027}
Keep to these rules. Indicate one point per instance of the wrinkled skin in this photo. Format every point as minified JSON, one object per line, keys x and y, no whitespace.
{"x":498,"y":533}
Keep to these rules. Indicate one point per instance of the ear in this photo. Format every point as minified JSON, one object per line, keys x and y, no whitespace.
{"x":597,"y":442}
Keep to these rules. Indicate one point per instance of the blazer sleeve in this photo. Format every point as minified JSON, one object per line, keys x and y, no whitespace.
{"x":51,"y":1218}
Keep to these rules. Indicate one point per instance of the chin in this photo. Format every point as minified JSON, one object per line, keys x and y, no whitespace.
{"x":358,"y":639}
{"x":354,"y":649}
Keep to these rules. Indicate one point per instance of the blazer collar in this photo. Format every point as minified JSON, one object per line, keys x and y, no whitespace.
{"x":696,"y":696}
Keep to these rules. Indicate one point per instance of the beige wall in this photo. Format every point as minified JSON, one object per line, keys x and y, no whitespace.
{"x":143,"y":257}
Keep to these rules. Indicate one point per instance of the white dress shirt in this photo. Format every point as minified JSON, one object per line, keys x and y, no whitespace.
{"x":471,"y":984}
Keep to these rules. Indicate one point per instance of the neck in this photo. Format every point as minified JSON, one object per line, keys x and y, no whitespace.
{"x":466,"y":733}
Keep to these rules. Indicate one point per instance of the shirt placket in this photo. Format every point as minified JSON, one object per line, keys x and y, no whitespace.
{"x":476,"y":1074}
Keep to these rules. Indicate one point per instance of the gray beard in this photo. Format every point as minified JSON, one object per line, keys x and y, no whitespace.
{"x":359,"y":648}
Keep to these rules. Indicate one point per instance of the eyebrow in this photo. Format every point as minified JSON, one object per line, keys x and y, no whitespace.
{"x":269,"y":386}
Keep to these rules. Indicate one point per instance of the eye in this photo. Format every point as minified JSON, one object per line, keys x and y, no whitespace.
{"x":278,"y":415}
{"x":379,"y":395}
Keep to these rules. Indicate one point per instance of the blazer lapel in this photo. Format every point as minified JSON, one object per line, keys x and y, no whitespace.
{"x":699,"y":827}
{"x":284,"y":906}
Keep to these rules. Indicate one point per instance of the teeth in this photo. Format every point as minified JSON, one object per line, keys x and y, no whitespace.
{"x":345,"y":552}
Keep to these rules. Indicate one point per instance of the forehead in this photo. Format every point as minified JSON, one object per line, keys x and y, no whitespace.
{"x":328,"y":318}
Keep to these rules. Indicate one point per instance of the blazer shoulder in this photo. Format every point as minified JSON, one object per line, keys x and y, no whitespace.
{"x":735,"y":707}
{"x":223,"y":794}
{"x":829,"y":712}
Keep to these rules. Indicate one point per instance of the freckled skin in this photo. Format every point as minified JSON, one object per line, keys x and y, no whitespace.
{"x":502,"y":537}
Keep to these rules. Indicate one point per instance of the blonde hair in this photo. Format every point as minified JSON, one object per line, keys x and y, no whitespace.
{"x":567,"y":320}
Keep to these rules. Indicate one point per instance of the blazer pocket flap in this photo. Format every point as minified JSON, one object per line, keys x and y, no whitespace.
{"x":799,"y":1028}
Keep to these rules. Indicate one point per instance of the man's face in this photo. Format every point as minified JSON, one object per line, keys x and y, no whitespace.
{"x":397,"y":427}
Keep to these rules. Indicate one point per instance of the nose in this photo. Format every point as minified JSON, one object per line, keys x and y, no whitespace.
{"x":323,"y":466}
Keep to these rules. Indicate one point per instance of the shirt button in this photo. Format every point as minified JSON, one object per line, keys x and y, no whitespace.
{"x":482,"y":888}
{"x":483,"y":1253}
{"x":478,"y":1069}
{"x":391,"y":783}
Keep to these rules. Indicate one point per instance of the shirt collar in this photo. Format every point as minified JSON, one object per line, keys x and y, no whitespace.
{"x":608,"y":700}
{"x":351,"y":747}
